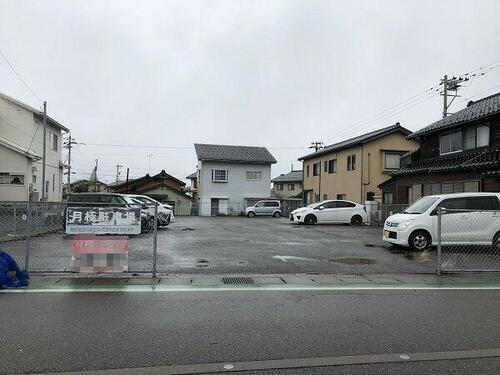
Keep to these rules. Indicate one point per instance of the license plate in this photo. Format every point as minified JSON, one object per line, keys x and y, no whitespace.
{"x":386,"y":233}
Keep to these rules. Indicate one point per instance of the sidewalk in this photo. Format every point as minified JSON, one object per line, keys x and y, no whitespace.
{"x":63,"y":282}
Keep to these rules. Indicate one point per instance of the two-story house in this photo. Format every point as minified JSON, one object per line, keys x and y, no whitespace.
{"x":21,"y":152}
{"x":353,"y":169}
{"x":193,"y":186}
{"x":459,"y":153}
{"x":231,"y":177}
{"x":288,"y":185}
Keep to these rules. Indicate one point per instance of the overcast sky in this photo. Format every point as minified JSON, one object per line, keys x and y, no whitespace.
{"x":274,"y":73}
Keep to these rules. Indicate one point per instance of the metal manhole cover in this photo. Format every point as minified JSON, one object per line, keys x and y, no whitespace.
{"x":238,"y":280}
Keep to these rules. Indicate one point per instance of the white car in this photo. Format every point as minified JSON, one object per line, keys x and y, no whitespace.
{"x":165,"y":213}
{"x":416,"y":227}
{"x":331,"y":211}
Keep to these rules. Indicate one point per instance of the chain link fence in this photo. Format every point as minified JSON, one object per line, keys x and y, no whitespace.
{"x":224,"y":207}
{"x":380,"y":212}
{"x":34,"y":234}
{"x":468,"y":240}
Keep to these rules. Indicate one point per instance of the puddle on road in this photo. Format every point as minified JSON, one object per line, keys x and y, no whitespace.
{"x":202,"y":263}
{"x":353,"y":261}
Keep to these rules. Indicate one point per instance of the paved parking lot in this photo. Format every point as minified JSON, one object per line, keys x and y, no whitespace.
{"x":269,"y":245}
{"x":216,"y":245}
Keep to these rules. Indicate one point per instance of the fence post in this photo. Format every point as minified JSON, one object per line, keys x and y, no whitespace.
{"x":28,"y":237}
{"x":439,"y":241}
{"x":155,"y":239}
{"x":15,"y":220}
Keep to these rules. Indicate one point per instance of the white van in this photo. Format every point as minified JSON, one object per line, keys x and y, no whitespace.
{"x":416,"y":227}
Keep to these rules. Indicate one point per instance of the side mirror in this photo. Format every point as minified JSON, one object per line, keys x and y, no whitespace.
{"x":320,"y":208}
{"x":145,"y":206}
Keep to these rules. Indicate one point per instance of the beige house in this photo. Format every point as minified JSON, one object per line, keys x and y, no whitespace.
{"x":353,"y":169}
{"x":288,"y":185}
{"x":21,"y":151}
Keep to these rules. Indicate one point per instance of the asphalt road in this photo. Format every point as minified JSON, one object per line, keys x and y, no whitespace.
{"x":49,"y":332}
{"x":218,"y":245}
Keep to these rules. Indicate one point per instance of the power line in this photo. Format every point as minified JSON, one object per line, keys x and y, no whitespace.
{"x":19,"y":76}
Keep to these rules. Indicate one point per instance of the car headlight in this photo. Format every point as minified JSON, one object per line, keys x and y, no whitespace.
{"x":404,"y":225}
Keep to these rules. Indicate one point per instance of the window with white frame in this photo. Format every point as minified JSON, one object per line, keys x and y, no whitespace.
{"x":52,"y":141}
{"x":351,"y":162}
{"x":11,"y":178}
{"x":219,"y":175}
{"x":316,"y":169}
{"x":388,"y":198}
{"x":476,"y":136}
{"x":291,"y":186}
{"x":254,"y":175}
{"x":392,"y":160}
{"x":280,"y":186}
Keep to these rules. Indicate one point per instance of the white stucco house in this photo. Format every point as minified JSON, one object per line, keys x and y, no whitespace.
{"x":21,"y":150}
{"x":231,"y":177}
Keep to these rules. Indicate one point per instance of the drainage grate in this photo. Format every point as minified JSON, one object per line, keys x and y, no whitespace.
{"x":238,"y":280}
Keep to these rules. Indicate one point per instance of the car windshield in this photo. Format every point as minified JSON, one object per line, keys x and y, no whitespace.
{"x":422,"y":205}
{"x":312,"y":205}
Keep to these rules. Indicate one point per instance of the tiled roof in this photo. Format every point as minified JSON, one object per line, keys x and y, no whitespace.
{"x":192,"y":175}
{"x":234,"y":154}
{"x":475,"y":110}
{"x":358,"y":140}
{"x":293,"y":176}
{"x":476,"y":159}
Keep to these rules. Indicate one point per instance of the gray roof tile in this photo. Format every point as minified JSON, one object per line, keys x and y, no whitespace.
{"x":234,"y":154}
{"x":351,"y":142}
{"x":293,"y":176}
{"x":475,"y":110}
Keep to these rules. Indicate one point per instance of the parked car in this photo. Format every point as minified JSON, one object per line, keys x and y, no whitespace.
{"x":165,"y":213}
{"x":267,"y":207}
{"x":102,"y":199}
{"x":331,"y":211}
{"x":416,"y":227}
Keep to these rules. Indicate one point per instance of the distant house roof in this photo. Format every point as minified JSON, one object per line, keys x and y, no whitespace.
{"x":293,"y":176}
{"x":234,"y":154}
{"x":484,"y":107}
{"x":147,"y":177}
{"x":192,"y":175}
{"x":356,"y":141}
{"x":37,"y":112}
{"x":485,"y":158}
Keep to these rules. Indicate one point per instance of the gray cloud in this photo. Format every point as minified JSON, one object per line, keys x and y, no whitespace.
{"x":273,"y":73}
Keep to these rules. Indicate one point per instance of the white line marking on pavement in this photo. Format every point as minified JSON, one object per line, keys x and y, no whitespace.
{"x":202,"y":368}
{"x":254,"y":288}
{"x":286,"y":258}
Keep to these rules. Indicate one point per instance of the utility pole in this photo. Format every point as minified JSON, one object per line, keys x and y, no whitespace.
{"x":450,"y":89}
{"x":96,"y":164}
{"x":127,"y":179}
{"x":69,"y":146}
{"x":44,"y":152}
{"x":149,"y":162}
{"x":118,"y":166}
{"x":316,"y":145}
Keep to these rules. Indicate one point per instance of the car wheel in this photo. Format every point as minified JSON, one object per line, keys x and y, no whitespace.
{"x":251,"y":214}
{"x":496,"y":241}
{"x":276,"y":214}
{"x":419,"y":240}
{"x":356,"y":220}
{"x":310,"y":219}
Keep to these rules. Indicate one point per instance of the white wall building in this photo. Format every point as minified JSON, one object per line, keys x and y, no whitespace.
{"x":21,"y":150}
{"x":231,"y":177}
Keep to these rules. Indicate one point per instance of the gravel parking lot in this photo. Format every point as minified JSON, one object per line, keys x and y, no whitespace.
{"x":215,"y":245}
